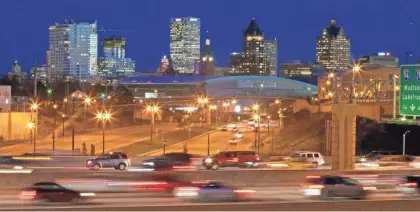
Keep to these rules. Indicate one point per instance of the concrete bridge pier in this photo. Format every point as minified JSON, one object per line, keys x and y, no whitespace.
{"x":343,"y":139}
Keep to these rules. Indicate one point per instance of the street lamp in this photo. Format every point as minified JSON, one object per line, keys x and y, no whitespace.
{"x":203,"y":101}
{"x":34,"y":107}
{"x":152,"y":109}
{"x":104,"y":117}
{"x":63,"y":116}
{"x":356,"y":69}
{"x":277,"y":101}
{"x":234,"y":102}
{"x":87,"y":102}
{"x":55,"y":106}
{"x":256,"y":118}
{"x":65,"y":105}
{"x":255,"y":107}
{"x":406,"y":132}
{"x":214,"y":108}
{"x":268,"y":123}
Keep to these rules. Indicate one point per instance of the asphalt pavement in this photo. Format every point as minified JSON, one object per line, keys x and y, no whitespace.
{"x":274,"y":198}
{"x":114,"y":138}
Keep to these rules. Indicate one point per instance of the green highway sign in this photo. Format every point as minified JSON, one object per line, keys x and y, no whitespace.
{"x":410,"y":90}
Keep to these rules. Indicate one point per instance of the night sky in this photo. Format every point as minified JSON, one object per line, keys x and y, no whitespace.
{"x":373,"y":26}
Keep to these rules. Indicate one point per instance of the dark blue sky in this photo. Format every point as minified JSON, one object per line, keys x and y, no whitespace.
{"x":373,"y":25}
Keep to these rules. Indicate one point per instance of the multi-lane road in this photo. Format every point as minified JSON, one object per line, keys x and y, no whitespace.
{"x":114,"y":139}
{"x":267,"y":198}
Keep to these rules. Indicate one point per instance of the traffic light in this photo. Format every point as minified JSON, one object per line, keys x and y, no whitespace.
{"x":103,"y":95}
{"x":49,"y":91}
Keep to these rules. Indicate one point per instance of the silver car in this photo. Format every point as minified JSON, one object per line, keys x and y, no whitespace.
{"x":335,"y":186}
{"x":117,"y":160}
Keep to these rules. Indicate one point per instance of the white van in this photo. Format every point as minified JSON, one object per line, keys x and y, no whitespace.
{"x":311,"y":157}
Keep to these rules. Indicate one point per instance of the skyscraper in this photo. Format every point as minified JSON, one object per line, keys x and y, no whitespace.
{"x":270,"y":48}
{"x":254,"y":59}
{"x":114,"y":64}
{"x":73,"y":51}
{"x":333,"y":48}
{"x":17,"y":72}
{"x":185,"y":43}
{"x":207,"y":60}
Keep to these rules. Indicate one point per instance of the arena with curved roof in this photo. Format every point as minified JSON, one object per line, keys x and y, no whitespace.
{"x":183,"y":86}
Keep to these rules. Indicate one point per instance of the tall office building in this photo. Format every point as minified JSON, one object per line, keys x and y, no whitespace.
{"x":333,"y":48}
{"x":185,"y":43}
{"x":164,"y":64}
{"x":73,"y":51}
{"x":379,"y":60}
{"x":207,"y":61}
{"x":234,"y":63}
{"x":254,"y":60}
{"x":114,"y":64}
{"x":270,"y":48}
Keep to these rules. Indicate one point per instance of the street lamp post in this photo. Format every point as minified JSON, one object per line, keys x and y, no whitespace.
{"x":104,"y":117}
{"x":406,"y":132}
{"x":63,"y":116}
{"x":30,"y":126}
{"x":87,"y":102}
{"x":268,"y":123}
{"x":152,"y":110}
{"x":356,"y":68}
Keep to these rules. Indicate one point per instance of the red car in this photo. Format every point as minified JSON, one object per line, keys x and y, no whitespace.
{"x":164,"y":184}
{"x":52,"y":192}
{"x":232,"y":159}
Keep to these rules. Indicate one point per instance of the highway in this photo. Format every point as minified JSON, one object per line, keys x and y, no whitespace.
{"x":114,"y":139}
{"x":218,"y":142}
{"x":267,"y":198}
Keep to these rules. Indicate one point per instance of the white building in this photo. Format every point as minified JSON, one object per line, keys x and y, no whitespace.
{"x":73,"y":51}
{"x":379,"y":60}
{"x":333,"y":48}
{"x":185,"y":43}
{"x":270,"y":49}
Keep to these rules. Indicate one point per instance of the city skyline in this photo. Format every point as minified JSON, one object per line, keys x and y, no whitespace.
{"x":295,"y":36}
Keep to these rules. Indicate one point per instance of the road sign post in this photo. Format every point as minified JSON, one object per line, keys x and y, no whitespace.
{"x":410,"y":90}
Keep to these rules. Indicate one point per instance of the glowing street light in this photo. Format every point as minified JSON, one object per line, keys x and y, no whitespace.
{"x":87,"y":102}
{"x":152,"y":109}
{"x":63,"y":116}
{"x":234,"y":102}
{"x":356,"y":69}
{"x":104,"y":117}
{"x":331,"y":75}
{"x":277,"y":101}
{"x":255,"y":107}
{"x":55,"y":106}
{"x":213,"y":107}
{"x":30,"y":125}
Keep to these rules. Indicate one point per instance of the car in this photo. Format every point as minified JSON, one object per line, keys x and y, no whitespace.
{"x":315,"y":158}
{"x":409,"y":185}
{"x":375,"y":155}
{"x":232,"y":159}
{"x":213,"y":191}
{"x":224,"y":128}
{"x":239,"y":134}
{"x":173,"y":159}
{"x":233,"y":140}
{"x":335,"y":186}
{"x":165,"y":184}
{"x":44,"y":192}
{"x":117,"y":160}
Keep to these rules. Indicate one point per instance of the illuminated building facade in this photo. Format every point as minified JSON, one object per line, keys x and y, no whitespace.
{"x":185,"y":43}
{"x":207,"y":61}
{"x":333,"y":49}
{"x":270,"y":48}
{"x":253,"y":60}
{"x":296,"y":69}
{"x":114,"y":64}
{"x":73,"y":51}
{"x":234,"y":63}
{"x":164,"y":64}
{"x":379,"y":60}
